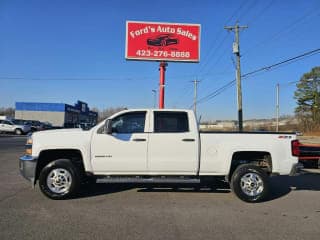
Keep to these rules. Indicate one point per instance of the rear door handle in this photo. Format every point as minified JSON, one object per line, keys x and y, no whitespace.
{"x":139,"y":139}
{"x":188,"y":140}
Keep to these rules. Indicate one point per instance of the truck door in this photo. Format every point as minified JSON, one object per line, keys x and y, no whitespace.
{"x":124,"y":151}
{"x":173,"y":145}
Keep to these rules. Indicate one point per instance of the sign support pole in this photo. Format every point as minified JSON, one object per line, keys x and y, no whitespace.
{"x":162,"y":69}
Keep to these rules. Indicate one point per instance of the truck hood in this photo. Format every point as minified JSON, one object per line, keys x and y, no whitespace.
{"x":60,"y":139}
{"x":58,"y":134}
{"x":55,"y":131}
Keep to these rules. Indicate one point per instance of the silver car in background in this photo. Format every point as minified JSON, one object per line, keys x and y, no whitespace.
{"x":10,"y":126}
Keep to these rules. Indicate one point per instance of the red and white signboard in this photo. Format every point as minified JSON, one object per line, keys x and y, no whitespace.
{"x":155,"y":41}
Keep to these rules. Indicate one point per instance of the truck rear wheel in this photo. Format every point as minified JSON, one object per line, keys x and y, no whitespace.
{"x":250,"y":183}
{"x":59,"y":179}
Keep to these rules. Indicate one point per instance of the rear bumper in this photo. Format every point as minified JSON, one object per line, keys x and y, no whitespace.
{"x":296,"y":169}
{"x":27,"y":166}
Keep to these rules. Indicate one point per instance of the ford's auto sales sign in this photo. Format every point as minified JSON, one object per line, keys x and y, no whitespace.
{"x":155,"y":41}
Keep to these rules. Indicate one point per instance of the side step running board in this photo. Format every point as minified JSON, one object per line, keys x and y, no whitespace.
{"x":147,"y":180}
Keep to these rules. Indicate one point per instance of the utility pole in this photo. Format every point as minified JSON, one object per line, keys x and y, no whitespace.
{"x":154,"y":98}
{"x":236,"y":51}
{"x":195,"y":96}
{"x":277,"y":106}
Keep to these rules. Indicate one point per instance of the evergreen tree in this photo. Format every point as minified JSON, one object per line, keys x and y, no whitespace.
{"x":308,"y":99}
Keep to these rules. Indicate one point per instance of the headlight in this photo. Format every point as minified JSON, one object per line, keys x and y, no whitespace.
{"x":29,"y":145}
{"x":29,"y":140}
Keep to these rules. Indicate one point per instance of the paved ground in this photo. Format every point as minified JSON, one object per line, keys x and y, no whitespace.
{"x":124,"y":212}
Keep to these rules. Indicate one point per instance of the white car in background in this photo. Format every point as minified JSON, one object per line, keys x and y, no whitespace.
{"x":10,"y":126}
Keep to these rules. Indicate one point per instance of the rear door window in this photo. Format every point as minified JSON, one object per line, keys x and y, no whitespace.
{"x":169,"y":122}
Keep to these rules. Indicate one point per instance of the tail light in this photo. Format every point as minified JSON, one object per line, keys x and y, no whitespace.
{"x":295,"y":148}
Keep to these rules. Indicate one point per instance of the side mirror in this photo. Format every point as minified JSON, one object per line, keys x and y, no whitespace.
{"x":108,"y":126}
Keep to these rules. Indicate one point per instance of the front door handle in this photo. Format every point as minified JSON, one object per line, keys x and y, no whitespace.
{"x":188,"y":140}
{"x":139,"y":139}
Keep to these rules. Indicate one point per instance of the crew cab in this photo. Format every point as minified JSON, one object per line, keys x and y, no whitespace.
{"x":157,"y":146}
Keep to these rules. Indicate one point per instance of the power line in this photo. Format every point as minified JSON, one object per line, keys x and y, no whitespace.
{"x":250,"y":7}
{"x":215,"y":93}
{"x":246,"y":75}
{"x":205,"y":64}
{"x":72,"y":79}
{"x":288,"y":28}
{"x":282,"y":62}
{"x":185,"y":91}
{"x":207,"y":58}
{"x":238,"y":10}
{"x":258,"y":15}
{"x":218,"y":59}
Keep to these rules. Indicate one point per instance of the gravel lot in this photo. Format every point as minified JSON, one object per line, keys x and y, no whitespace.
{"x":127,"y":212}
{"x":309,"y":139}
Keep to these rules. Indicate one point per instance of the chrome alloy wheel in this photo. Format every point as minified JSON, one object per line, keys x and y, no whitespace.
{"x":59,"y":181}
{"x":251,"y":184}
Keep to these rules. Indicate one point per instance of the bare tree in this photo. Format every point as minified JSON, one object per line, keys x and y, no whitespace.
{"x":9,"y":112}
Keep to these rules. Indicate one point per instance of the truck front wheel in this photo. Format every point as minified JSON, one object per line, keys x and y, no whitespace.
{"x":250,"y":183}
{"x":59,"y":179}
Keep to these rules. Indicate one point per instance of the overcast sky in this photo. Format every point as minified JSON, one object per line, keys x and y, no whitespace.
{"x":64,"y":51}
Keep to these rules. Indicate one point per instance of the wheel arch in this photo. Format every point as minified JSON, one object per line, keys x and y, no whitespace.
{"x":261,"y":159}
{"x":47,"y":156}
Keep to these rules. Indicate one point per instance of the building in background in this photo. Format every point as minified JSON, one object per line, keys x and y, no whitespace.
{"x":58,"y":114}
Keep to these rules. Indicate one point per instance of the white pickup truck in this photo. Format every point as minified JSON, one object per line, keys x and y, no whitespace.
{"x":157,"y":146}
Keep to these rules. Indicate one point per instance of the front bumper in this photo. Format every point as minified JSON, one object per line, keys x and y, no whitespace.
{"x":296,"y":169}
{"x":27,"y":166}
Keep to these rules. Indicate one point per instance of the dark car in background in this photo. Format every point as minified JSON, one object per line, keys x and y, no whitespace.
{"x":47,"y":125}
{"x":21,"y":122}
{"x":162,"y":40}
{"x":36,"y":125}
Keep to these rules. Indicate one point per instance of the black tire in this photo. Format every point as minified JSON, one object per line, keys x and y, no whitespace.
{"x":18,"y":131}
{"x":250,"y":183}
{"x":69,"y":179}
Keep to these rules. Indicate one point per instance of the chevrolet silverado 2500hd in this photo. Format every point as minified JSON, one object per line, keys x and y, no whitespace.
{"x":156,"y":146}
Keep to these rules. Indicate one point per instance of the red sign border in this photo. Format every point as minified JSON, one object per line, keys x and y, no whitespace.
{"x":162,"y":59}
